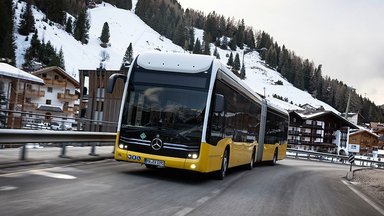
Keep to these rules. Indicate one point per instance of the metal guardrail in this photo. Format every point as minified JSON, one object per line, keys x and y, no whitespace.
{"x":23,"y":137}
{"x":332,"y":158}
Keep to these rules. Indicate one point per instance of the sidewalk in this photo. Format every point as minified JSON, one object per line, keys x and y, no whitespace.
{"x":371,"y":181}
{"x":10,"y":157}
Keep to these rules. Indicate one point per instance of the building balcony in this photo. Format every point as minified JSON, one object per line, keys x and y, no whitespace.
{"x":292,"y":132}
{"x":293,"y":141}
{"x":60,"y":83}
{"x":34,"y":93}
{"x":317,"y":135}
{"x":66,"y":96}
{"x":69,"y":109}
{"x":306,"y":125}
{"x":29,"y":105}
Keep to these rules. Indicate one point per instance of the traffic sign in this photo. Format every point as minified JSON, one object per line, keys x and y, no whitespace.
{"x":351,"y":158}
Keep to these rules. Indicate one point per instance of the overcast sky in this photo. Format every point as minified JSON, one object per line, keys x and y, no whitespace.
{"x":345,"y":36}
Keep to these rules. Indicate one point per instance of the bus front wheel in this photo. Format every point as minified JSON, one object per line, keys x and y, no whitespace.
{"x":219,"y":175}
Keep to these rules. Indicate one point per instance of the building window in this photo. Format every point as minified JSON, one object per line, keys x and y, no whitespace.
{"x":48,"y":102}
{"x":44,"y":75}
{"x":28,"y":100}
{"x":49,"y":89}
{"x":56,"y":77}
{"x":67,"y":91}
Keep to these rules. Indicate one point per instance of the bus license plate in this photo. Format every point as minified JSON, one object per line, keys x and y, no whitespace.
{"x":154,"y":162}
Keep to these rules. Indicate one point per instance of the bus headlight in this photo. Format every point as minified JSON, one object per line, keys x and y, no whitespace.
{"x":121,"y":146}
{"x":193,"y":155}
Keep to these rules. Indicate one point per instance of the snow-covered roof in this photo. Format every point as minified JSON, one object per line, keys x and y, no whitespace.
{"x":59,"y":71}
{"x":366,"y":131}
{"x":312,"y":115}
{"x":12,"y":72}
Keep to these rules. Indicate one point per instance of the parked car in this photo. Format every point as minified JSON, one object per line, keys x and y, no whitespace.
{"x":60,"y":126}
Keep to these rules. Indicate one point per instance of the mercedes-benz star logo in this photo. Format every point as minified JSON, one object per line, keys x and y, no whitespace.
{"x":157,"y":143}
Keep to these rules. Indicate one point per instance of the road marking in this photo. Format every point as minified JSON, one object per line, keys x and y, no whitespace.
{"x":225,"y":184}
{"x":8,"y":188}
{"x":52,"y":175}
{"x":203,"y":199}
{"x":184,"y":211}
{"x":41,"y":172}
{"x":365,"y":198}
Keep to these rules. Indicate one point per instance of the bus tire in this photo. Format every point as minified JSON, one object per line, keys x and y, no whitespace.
{"x":219,"y":175}
{"x":252,"y":161}
{"x":274,"y":160}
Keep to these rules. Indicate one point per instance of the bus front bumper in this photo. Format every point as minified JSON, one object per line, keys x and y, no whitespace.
{"x":158,"y":160}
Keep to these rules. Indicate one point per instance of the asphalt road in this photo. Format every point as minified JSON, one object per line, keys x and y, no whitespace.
{"x":117,"y":188}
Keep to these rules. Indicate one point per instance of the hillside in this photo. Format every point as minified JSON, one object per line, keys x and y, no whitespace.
{"x":125,"y":27}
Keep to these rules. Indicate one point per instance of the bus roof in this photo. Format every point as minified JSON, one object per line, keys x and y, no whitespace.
{"x":175,"y":62}
{"x":277,"y":108}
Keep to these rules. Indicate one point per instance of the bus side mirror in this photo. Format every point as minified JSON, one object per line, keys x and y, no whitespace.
{"x":219,"y":103}
{"x":112,"y":80}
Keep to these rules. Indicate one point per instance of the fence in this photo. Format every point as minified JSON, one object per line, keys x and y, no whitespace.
{"x":21,"y":138}
{"x":332,"y":158}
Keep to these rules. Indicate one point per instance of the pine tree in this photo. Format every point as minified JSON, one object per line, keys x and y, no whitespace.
{"x":128,"y":56}
{"x":224,"y":43}
{"x":7,"y":42}
{"x":206,"y":40}
{"x":82,"y":27}
{"x":197,"y":48}
{"x":236,"y":63}
{"x":61,"y":59}
{"x":232,"y":44}
{"x":33,"y":51}
{"x":104,"y":38}
{"x":68,"y":25}
{"x":240,"y":34}
{"x":27,"y":22}
{"x":191,"y":44}
{"x":230,"y":60}
{"x":179,"y":35}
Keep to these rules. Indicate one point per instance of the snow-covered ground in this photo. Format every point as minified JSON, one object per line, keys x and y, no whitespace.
{"x":125,"y":27}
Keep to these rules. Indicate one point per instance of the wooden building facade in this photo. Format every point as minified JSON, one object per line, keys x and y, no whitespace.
{"x":99,"y":110}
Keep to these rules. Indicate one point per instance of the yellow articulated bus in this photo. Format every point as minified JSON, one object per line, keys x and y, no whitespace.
{"x":190,"y":112}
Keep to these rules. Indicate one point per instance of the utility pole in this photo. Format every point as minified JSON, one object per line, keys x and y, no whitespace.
{"x":349,"y":101}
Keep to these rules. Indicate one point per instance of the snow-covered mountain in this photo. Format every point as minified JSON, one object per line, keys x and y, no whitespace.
{"x":125,"y":27}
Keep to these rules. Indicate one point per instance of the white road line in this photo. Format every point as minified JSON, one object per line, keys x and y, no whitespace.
{"x":41,"y":172}
{"x":52,"y":175}
{"x":183,"y":211}
{"x":365,"y":198}
{"x":211,"y":195}
{"x":203,"y":200}
{"x":8,"y":188}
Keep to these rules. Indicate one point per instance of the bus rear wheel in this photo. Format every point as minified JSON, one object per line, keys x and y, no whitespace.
{"x":274,"y":160}
{"x":252,"y":161}
{"x":219,"y":175}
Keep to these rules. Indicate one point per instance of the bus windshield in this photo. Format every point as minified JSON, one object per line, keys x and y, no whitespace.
{"x":165,"y":105}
